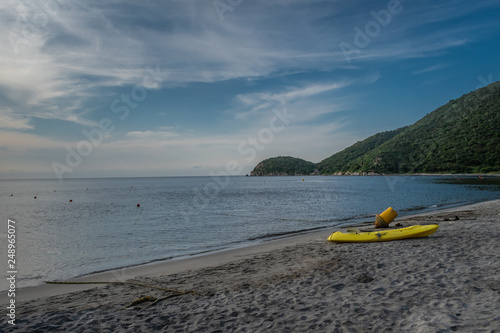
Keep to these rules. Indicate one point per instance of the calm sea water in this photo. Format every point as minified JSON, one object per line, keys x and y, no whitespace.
{"x":103,"y":227}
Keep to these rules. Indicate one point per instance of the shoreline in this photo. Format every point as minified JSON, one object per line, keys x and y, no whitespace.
{"x":46,"y":290}
{"x":213,"y":257}
{"x":371,"y":174}
{"x":170,"y":266}
{"x":449,"y":281}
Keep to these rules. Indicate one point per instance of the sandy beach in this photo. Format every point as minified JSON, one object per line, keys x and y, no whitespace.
{"x":447,"y":282}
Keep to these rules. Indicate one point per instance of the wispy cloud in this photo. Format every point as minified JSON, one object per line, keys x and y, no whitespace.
{"x":429,"y":69}
{"x":151,"y":135}
{"x":11,"y":121}
{"x":257,"y":102}
{"x":78,"y":49}
{"x":309,"y":100}
{"x":67,"y":62}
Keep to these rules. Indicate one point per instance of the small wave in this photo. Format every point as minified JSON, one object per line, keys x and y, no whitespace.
{"x":416,"y":208}
{"x":284,"y":234}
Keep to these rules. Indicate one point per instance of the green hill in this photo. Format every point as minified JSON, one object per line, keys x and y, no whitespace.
{"x":462,"y":136}
{"x":283,"y":166}
{"x":340,"y":162}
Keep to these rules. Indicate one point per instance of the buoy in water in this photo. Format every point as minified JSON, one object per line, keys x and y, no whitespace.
{"x":138,"y":205}
{"x":71,"y":201}
{"x":34,"y":197}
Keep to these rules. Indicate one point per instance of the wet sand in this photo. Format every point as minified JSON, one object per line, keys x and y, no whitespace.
{"x":447,"y":282}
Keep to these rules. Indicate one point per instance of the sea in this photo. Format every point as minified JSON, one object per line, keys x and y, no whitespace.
{"x":74,"y":227}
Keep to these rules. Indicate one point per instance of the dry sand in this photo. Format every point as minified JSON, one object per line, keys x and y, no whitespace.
{"x":447,"y":282}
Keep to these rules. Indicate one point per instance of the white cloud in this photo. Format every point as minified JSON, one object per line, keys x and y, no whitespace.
{"x":8,"y":120}
{"x":258,"y":102}
{"x":74,"y":48}
{"x":151,"y":135}
{"x":23,"y":142}
{"x":165,"y":154}
{"x":308,"y":101}
{"x":429,"y":69}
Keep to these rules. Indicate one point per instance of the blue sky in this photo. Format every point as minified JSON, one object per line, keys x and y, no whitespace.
{"x":171,"y":88}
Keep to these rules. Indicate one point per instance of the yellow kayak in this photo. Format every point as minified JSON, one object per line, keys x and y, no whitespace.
{"x":414,"y":231}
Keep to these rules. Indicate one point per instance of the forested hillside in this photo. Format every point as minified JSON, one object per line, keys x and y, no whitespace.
{"x":462,"y":136}
{"x":283,"y":166}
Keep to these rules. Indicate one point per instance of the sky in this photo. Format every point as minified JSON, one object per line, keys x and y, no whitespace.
{"x":213,"y":87}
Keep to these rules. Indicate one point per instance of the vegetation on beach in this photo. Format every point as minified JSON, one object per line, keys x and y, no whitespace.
{"x":462,"y":136}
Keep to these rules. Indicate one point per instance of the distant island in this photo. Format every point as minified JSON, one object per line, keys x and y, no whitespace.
{"x":283,"y":166}
{"x":462,"y":136}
